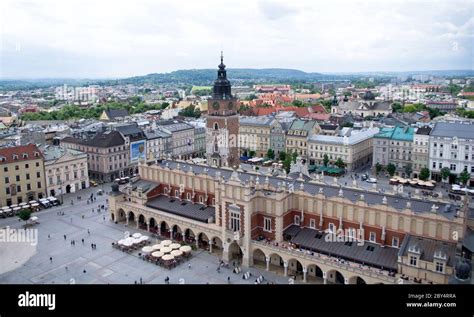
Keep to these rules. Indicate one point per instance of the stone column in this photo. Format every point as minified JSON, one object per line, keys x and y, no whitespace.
{"x":305,"y":272}
{"x":127,"y":221}
{"x":210,"y":246}
{"x":197,"y":242}
{"x":267,"y":259}
{"x":138,"y":224}
{"x":148,"y":227}
{"x":159,"y":230}
{"x":285,"y":265}
{"x":325,"y":278}
{"x":346,"y":281}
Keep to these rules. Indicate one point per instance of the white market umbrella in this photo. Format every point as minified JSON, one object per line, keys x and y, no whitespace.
{"x":147,"y":249}
{"x":185,"y":248}
{"x":143,"y":238}
{"x":13,"y":206}
{"x":156,"y":247}
{"x":34,"y":205}
{"x":157,"y":254}
{"x":166,"y":250}
{"x":137,"y":235}
{"x":25,"y":206}
{"x":121,"y":241}
{"x":127,"y":243}
{"x":16,"y":208}
{"x":167,"y":257}
{"x":22,"y":204}
{"x":6,"y":208}
{"x":33,"y":202}
{"x":176,"y":253}
{"x":166,"y":242}
{"x":175,"y":246}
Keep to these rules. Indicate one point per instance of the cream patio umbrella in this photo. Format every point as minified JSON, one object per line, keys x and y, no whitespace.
{"x":166,"y":243}
{"x":167,"y":257}
{"x":147,"y":249}
{"x":185,"y":248}
{"x":175,"y":246}
{"x":156,"y":247}
{"x":157,"y":254}
{"x":176,"y":253}
{"x":166,"y":249}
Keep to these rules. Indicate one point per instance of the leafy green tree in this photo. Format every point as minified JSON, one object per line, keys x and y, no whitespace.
{"x":340,"y":163}
{"x":408,"y":170}
{"x":464,"y":177}
{"x":378,"y":168}
{"x":424,"y":174}
{"x":445,"y":172}
{"x":251,"y":153}
{"x":397,"y":107}
{"x":391,"y":169}
{"x":282,"y":155}
{"x":271,"y":154}
{"x":325,"y":160}
{"x":294,"y":156}
{"x":25,"y":214}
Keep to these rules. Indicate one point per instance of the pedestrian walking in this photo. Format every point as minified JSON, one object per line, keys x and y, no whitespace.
{"x":189,"y":266}
{"x":49,"y":237}
{"x":141,"y":281}
{"x":66,"y":268}
{"x":88,"y":232}
{"x":104,"y":218}
{"x":64,"y":237}
{"x":228,"y":279}
{"x":51,"y":259}
{"x":92,"y":246}
{"x":82,"y":216}
{"x":82,"y":241}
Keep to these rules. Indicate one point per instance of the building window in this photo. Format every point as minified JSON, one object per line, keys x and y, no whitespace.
{"x":18,"y":188}
{"x":7,"y":180}
{"x":38,"y":174}
{"x":312,"y":223}
{"x":7,"y":190}
{"x":296,"y":220}
{"x":27,"y":176}
{"x":188,"y":196}
{"x":201,"y":199}
{"x":332,"y":228}
{"x":372,"y":237}
{"x":16,"y":168}
{"x":176,"y":193}
{"x":39,"y":185}
{"x":439,"y":267}
{"x":267,"y":224}
{"x":5,"y":169}
{"x":452,"y":167}
{"x":18,"y":178}
{"x":235,"y":221}
{"x":413,"y":260}
{"x":27,"y":166}
{"x":395,"y":242}
{"x":28,"y":187}
{"x":37,"y":164}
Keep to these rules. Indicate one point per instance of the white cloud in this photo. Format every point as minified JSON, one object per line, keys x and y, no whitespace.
{"x":125,"y":38}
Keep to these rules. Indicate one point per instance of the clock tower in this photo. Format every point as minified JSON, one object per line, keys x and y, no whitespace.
{"x":222,"y":126}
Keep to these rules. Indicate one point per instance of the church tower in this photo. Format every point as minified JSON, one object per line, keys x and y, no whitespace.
{"x":222,"y":126}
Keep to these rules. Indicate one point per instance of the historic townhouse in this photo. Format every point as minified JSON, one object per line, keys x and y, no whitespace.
{"x":286,"y":224}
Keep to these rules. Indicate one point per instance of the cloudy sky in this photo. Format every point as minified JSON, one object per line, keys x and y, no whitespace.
{"x":99,"y":38}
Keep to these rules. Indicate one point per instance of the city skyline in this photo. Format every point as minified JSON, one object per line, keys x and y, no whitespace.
{"x":123,"y":39}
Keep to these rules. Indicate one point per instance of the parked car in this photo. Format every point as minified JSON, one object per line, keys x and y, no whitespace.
{"x":93,"y":183}
{"x":371,"y":180}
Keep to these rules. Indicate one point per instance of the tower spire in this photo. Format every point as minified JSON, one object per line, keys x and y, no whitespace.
{"x":222,"y":57}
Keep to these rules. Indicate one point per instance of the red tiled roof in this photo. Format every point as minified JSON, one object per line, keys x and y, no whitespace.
{"x":263,"y":111}
{"x":19,"y":151}
{"x":318,"y":109}
{"x":319,"y":116}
